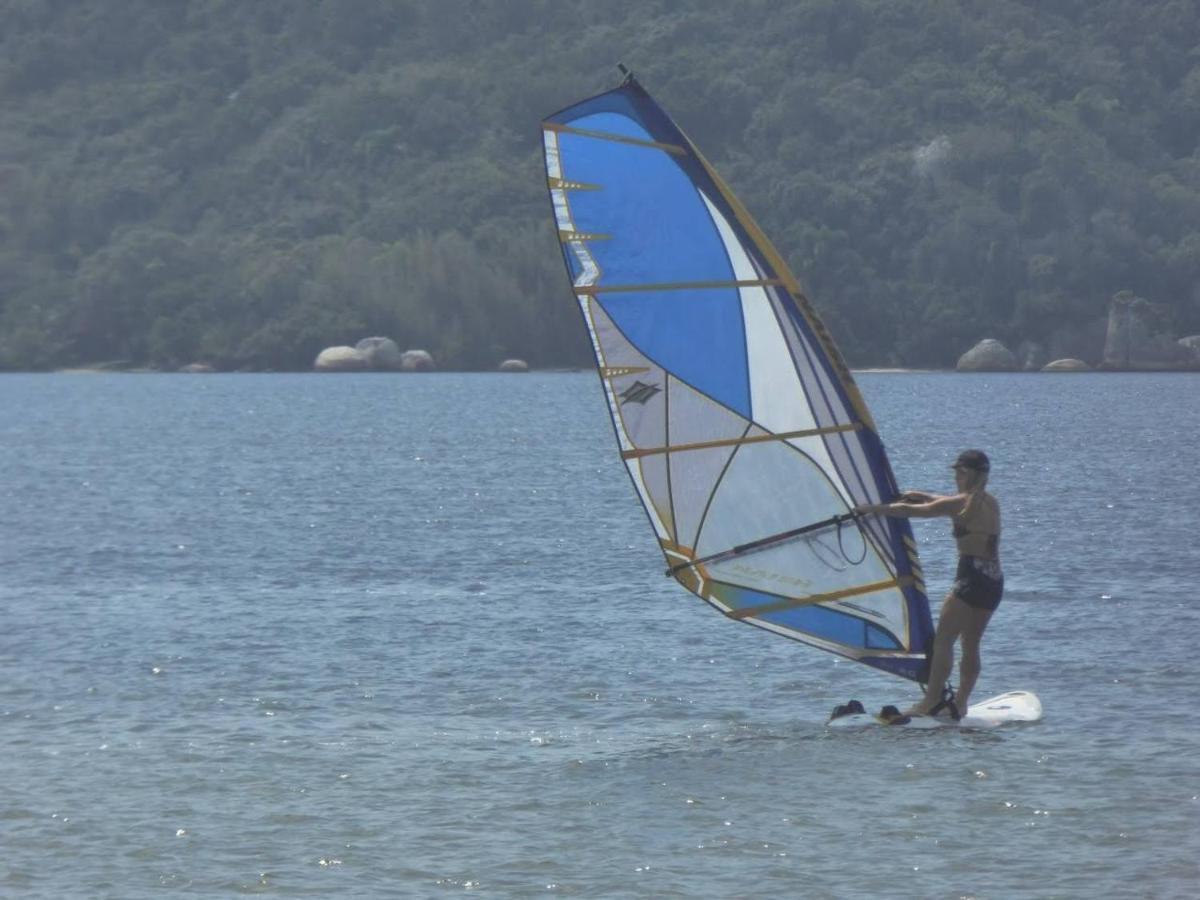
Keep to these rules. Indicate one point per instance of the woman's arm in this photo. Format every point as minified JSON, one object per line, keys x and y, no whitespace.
{"x":917,"y":497}
{"x":939,"y":506}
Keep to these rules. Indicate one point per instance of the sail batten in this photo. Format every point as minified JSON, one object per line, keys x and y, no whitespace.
{"x":734,"y":413}
{"x":707,"y":445}
{"x":672,"y":286}
{"x":618,"y":138}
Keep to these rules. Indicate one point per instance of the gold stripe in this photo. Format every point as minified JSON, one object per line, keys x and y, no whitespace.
{"x":731,"y":442}
{"x":671,"y":286}
{"x":567,"y":236}
{"x":618,"y":371}
{"x":617,"y":138}
{"x":565,"y":184}
{"x":676,"y":549}
{"x":751,"y":611}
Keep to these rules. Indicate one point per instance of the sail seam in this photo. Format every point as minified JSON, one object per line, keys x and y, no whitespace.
{"x":716,"y":486}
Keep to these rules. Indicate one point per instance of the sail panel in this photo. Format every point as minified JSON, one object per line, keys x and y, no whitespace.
{"x":656,"y":478}
{"x":737,"y":419}
{"x":834,"y":626}
{"x":697,"y":335}
{"x":678,"y":244}
{"x":697,"y":418}
{"x":693,"y":474}
{"x":821,"y":625}
{"x":849,"y":455}
{"x":617,"y":124}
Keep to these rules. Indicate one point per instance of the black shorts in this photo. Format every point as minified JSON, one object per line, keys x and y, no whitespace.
{"x":979,"y":582}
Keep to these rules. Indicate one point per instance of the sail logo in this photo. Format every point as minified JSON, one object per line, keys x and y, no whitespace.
{"x":639,"y":392}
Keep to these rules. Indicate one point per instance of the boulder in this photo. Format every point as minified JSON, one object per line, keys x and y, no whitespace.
{"x":417,"y":361}
{"x":989,"y":355}
{"x":380,"y":352}
{"x":340,"y":359}
{"x":514,"y":365}
{"x":1192,"y":344}
{"x":1067,"y":365}
{"x":197,"y":369}
{"x":1138,"y":337}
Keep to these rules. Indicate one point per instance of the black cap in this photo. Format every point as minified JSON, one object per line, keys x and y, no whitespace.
{"x":972,"y":459}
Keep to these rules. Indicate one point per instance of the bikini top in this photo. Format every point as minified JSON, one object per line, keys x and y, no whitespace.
{"x":977,"y":528}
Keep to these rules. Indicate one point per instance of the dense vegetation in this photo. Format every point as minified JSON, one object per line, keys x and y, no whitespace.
{"x":247,"y":182}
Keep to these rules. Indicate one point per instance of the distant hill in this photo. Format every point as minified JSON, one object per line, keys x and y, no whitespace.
{"x":245,"y":183}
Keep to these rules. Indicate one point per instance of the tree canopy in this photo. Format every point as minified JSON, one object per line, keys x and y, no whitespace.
{"x":246,"y":183}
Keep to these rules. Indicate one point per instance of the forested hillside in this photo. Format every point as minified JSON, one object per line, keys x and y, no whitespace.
{"x":247,"y":181}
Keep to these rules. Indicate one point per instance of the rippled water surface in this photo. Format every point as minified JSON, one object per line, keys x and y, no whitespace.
{"x":408,"y":636}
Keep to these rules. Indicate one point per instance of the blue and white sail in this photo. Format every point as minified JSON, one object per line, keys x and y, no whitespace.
{"x":742,"y":429}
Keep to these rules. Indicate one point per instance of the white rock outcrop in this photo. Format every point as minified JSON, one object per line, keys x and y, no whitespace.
{"x":417,"y":361}
{"x":340,"y":359}
{"x":989,"y":355}
{"x":1067,"y":365}
{"x":1138,"y":339}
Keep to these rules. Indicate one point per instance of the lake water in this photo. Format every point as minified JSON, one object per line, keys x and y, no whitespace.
{"x":373,"y":636}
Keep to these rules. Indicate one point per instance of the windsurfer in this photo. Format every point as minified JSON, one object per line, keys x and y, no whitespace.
{"x":979,"y":582}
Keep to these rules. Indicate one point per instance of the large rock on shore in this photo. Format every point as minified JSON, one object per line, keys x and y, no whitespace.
{"x":381,"y":353}
{"x":989,"y":355}
{"x":340,"y":359}
{"x":1138,"y":337}
{"x":1067,"y":365}
{"x":417,"y":361}
{"x":1192,"y":344}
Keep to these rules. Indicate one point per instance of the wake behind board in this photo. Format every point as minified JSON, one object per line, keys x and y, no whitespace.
{"x":1004,"y":709}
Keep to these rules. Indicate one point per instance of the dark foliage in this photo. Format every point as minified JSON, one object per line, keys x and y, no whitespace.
{"x":246,"y":183}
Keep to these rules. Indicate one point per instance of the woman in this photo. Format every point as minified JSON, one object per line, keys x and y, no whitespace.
{"x":979,"y":582}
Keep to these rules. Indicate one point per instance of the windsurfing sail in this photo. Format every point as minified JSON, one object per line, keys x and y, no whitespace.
{"x":744,"y":433}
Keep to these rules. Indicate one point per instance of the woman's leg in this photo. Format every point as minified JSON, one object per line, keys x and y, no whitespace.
{"x":950,"y":625}
{"x":975,"y":622}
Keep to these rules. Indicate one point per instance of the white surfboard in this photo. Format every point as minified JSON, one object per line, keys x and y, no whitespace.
{"x":1014,"y":706}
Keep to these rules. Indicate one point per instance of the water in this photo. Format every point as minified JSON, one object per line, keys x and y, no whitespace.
{"x":365,"y":636}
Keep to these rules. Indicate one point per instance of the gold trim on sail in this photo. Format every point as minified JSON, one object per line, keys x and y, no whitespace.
{"x":733,"y":442}
{"x":565,"y":184}
{"x":752,"y":611}
{"x":566,"y":236}
{"x":672,"y":286}
{"x":619,"y":371}
{"x":617,"y":138}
